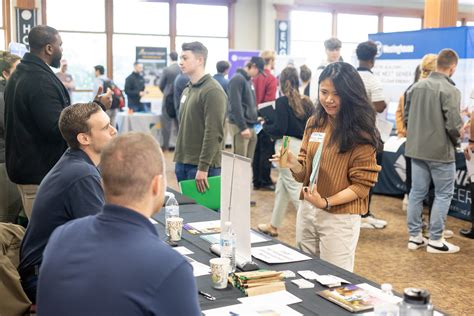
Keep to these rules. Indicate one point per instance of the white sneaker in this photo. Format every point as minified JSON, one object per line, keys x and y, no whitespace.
{"x":371,"y":222}
{"x":417,"y":242}
{"x":405,"y":203}
{"x":441,"y":246}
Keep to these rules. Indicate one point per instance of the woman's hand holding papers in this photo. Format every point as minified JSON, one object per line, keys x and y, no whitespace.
{"x":292,"y":161}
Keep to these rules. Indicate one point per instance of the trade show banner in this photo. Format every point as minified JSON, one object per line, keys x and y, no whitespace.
{"x":399,"y":54}
{"x":238,"y":59}
{"x":153,"y":60}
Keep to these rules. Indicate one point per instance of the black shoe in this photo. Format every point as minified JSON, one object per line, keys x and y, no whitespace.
{"x":468,"y":233}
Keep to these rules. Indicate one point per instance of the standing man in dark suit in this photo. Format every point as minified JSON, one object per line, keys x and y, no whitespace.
{"x":135,"y":88}
{"x":34,"y":99}
{"x":168,"y":111}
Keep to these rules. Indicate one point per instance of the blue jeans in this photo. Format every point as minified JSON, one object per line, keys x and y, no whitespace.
{"x":186,"y":171}
{"x":443,"y":175}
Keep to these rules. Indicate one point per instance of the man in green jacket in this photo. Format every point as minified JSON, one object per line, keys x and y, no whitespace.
{"x":203,"y":105}
{"x":434,"y":122}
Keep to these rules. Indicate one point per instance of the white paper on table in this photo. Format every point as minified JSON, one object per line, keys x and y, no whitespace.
{"x":183,"y":250}
{"x":250,"y":310}
{"x":303,"y":284}
{"x":254,"y":238}
{"x":206,"y":226}
{"x":308,"y":274}
{"x":385,"y":128}
{"x":198,"y":267}
{"x":393,"y":144}
{"x":278,"y":254}
{"x":153,"y":221}
{"x":330,"y":279}
{"x":282,"y":297}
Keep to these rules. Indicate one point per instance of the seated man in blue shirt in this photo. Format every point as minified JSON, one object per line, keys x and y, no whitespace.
{"x":71,"y":189}
{"x":114,"y":263}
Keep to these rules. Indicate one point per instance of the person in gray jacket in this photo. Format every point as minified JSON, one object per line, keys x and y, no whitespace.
{"x":168,"y":111}
{"x":242,"y":108}
{"x":433,"y":119}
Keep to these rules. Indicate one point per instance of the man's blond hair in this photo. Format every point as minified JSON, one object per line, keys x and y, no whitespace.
{"x":128,"y":165}
{"x":268,"y":56}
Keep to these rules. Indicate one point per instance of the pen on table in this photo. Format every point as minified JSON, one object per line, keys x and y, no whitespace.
{"x":207,"y":295}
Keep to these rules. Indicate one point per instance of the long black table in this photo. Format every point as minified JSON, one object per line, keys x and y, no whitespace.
{"x":312,"y":304}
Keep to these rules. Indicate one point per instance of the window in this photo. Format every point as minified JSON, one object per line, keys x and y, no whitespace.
{"x":191,"y":21}
{"x":125,"y":52}
{"x":2,"y":30}
{"x":212,"y":32}
{"x":364,"y":25}
{"x":83,"y":16}
{"x":400,"y":24}
{"x":83,"y":51}
{"x":148,"y":17}
{"x":305,"y":42}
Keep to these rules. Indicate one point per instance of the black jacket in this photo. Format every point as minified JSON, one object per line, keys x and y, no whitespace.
{"x":286,"y":122}
{"x":34,"y":99}
{"x":134,"y":84}
{"x":242,"y":102}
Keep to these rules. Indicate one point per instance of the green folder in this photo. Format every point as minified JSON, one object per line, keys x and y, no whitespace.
{"x":210,"y":199}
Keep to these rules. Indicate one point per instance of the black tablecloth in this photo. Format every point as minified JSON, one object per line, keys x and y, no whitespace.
{"x":312,"y":303}
{"x":182,"y":200}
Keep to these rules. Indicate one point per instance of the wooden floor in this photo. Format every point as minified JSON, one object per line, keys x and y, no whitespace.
{"x":382,"y":255}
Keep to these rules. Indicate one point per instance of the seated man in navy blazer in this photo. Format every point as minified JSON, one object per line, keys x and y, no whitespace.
{"x":114,"y":263}
{"x":71,"y":189}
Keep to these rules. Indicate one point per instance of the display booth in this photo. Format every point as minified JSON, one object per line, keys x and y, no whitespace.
{"x":399,"y":54}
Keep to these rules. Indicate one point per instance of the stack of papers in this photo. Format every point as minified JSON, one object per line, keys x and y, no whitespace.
{"x":258,"y":282}
{"x":205,"y":227}
{"x":278,"y":254}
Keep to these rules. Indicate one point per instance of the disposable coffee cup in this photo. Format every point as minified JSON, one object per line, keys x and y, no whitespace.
{"x":175,"y":228}
{"x":285,"y":145}
{"x":219,"y":272}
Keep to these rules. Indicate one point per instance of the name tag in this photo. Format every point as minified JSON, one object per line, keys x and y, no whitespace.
{"x":183,"y":98}
{"x":316,"y":137}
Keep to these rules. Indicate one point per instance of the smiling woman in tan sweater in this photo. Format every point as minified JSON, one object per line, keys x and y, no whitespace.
{"x":328,"y":220}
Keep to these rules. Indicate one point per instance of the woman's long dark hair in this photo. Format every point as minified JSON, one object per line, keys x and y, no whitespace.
{"x":289,"y":83}
{"x":355,"y":121}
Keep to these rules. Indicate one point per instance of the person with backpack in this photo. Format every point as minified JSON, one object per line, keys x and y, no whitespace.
{"x":118,"y":100}
{"x":168,"y":112}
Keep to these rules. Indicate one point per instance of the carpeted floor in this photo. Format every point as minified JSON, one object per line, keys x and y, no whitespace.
{"x":382,"y":255}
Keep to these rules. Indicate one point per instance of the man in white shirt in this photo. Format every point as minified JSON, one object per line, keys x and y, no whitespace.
{"x":366,"y":52}
{"x":332,"y":48}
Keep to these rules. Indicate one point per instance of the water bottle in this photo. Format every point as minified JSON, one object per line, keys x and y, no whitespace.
{"x":386,"y":308}
{"x":416,"y":302}
{"x":228,"y":244}
{"x":171,"y":210}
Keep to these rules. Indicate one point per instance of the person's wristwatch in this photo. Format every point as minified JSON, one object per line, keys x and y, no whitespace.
{"x":327,"y":207}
